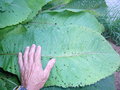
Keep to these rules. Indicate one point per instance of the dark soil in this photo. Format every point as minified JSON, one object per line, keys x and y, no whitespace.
{"x":117,"y":74}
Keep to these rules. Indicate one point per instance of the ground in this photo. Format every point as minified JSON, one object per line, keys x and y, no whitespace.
{"x":117,"y":74}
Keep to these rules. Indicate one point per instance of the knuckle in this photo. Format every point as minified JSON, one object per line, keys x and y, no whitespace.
{"x":30,"y":54}
{"x":36,"y":55}
{"x":37,"y":64}
{"x":30,"y":61}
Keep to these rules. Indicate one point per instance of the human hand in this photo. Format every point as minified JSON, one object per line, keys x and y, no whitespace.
{"x":33,"y":76}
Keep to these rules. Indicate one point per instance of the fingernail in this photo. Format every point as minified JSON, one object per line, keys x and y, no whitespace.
{"x":54,"y":60}
{"x":27,"y":46}
{"x":39,"y":46}
{"x":33,"y":44}
{"x":20,"y":53}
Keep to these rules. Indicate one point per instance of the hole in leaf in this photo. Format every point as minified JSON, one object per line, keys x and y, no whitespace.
{"x":55,"y":23}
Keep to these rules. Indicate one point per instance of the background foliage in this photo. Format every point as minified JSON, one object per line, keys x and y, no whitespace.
{"x":106,"y":11}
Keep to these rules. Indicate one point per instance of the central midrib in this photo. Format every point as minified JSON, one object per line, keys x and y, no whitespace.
{"x":72,"y":55}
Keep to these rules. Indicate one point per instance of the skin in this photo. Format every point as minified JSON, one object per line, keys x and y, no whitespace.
{"x":33,"y":77}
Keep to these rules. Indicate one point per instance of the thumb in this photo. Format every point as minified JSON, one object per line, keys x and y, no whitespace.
{"x":49,"y":67}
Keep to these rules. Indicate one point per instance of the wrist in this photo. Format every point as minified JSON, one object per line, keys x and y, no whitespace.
{"x":32,"y":88}
{"x":20,"y":88}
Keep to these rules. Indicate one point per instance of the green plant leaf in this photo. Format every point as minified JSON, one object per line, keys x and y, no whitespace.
{"x":69,"y":18}
{"x":35,"y":6}
{"x":83,"y":56}
{"x":8,"y":81}
{"x":13,"y":12}
{"x":105,"y":84}
{"x":107,"y":12}
{"x":55,"y":4}
{"x":58,"y":2}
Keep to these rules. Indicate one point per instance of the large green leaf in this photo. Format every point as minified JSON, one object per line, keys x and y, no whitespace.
{"x":13,"y":12}
{"x":7,"y":81}
{"x":95,"y":7}
{"x":55,"y":4}
{"x":83,"y":55}
{"x":5,"y":31}
{"x":35,"y":6}
{"x":58,"y":2}
{"x":69,"y":18}
{"x":107,"y":11}
{"x":105,"y":84}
